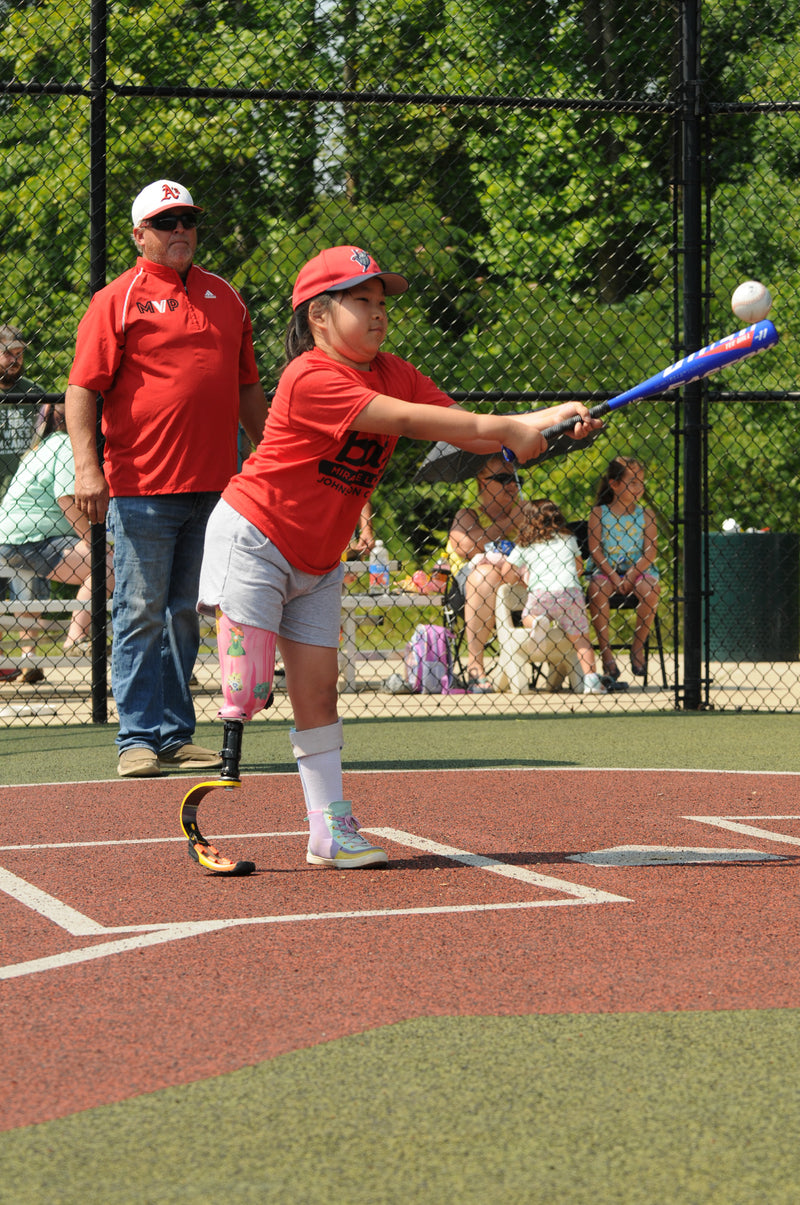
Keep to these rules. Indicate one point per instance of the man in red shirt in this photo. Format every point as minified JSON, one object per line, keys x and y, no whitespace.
{"x":170,"y":348}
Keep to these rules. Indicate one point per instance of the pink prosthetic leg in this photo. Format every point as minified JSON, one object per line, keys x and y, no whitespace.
{"x":247,"y":662}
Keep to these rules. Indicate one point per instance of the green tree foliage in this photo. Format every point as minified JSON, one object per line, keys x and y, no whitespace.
{"x":515,"y":158}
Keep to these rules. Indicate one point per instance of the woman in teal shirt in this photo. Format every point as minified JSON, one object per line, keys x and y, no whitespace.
{"x":622,"y":547}
{"x":42,"y":532}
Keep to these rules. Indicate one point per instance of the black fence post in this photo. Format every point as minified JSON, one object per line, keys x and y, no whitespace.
{"x":97,"y":274}
{"x":693,"y":426}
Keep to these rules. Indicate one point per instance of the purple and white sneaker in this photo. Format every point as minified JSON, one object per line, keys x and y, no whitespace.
{"x":334,"y":840}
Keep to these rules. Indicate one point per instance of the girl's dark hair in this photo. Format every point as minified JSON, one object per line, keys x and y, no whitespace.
{"x":541,"y":521}
{"x":50,"y":418}
{"x":615,"y":472}
{"x":298,"y":333}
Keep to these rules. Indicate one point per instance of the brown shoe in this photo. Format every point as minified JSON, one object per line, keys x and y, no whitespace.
{"x":138,"y":762}
{"x":189,"y":757}
{"x":31,"y":675}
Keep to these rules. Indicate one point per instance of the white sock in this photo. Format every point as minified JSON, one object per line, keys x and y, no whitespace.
{"x":320,"y":766}
{"x":321,"y":776}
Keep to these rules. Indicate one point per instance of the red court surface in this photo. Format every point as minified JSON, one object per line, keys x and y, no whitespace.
{"x":127,"y":968}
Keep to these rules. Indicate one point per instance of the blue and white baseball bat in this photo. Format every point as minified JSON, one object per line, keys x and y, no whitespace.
{"x":699,"y":364}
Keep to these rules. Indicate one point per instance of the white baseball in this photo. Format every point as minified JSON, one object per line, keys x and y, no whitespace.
{"x":751,"y":301}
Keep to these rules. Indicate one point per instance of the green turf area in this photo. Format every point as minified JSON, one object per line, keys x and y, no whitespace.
{"x":633,"y":1109}
{"x":701,"y":740}
{"x":580,"y":1110}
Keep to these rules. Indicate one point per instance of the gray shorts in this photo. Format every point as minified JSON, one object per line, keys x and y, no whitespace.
{"x":246,"y":576}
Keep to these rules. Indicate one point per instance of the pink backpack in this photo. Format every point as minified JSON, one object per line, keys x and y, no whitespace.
{"x":429,"y":660}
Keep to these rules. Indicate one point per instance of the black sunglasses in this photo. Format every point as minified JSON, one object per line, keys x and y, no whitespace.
{"x":503,"y":478}
{"x":169,"y":221}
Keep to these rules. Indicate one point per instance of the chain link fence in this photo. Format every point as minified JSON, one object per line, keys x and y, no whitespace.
{"x":574,"y":190}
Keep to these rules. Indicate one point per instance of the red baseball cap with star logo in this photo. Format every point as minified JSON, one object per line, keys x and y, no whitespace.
{"x":339,"y":268}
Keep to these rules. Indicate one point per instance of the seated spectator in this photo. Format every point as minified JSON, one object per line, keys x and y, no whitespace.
{"x":42,"y":532}
{"x":18,"y":418}
{"x":479,"y":538}
{"x":622,"y":547}
{"x":548,"y":562}
{"x":17,"y":421}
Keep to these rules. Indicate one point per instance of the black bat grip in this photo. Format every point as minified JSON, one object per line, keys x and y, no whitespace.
{"x":566,"y":425}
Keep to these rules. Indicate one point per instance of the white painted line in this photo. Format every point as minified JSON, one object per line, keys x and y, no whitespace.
{"x":151,"y":840}
{"x":107,"y":948}
{"x":149,"y":935}
{"x":48,"y":906}
{"x":379,"y":770}
{"x":587,"y":895}
{"x":558,"y":770}
{"x":731,"y":823}
{"x":177,"y":932}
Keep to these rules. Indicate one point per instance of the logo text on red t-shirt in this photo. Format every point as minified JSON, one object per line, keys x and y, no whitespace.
{"x":359,"y":463}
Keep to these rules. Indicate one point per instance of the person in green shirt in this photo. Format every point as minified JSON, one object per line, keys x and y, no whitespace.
{"x":42,"y":531}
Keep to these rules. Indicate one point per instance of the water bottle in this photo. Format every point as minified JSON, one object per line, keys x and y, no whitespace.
{"x":379,"y":569}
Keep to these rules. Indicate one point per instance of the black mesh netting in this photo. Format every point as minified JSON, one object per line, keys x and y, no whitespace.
{"x":573,"y":188}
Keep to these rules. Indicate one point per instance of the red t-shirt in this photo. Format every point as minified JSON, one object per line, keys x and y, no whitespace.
{"x":168,"y":359}
{"x":307,"y":481}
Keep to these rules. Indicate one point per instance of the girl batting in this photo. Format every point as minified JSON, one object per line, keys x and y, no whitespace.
{"x":272,"y":568}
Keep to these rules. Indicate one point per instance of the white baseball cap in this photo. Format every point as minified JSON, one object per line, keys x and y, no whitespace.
{"x":161,"y":195}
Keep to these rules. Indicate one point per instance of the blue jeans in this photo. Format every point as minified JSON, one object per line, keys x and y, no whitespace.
{"x":158,"y":549}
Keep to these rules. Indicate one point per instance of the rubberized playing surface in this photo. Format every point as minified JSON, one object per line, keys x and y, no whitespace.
{"x":588,"y":977}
